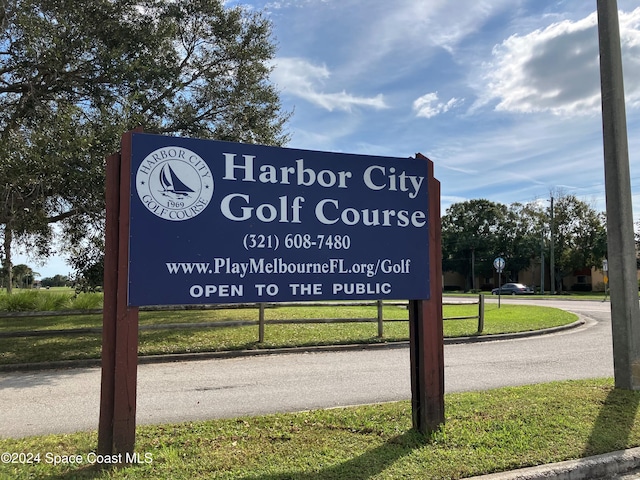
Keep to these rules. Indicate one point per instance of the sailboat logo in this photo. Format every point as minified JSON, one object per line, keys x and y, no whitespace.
{"x":174,"y":183}
{"x":172,"y":186}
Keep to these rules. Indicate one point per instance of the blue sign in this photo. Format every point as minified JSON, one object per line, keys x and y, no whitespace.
{"x":221,"y":222}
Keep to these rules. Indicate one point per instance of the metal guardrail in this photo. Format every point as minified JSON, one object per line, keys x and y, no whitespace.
{"x":261,"y":322}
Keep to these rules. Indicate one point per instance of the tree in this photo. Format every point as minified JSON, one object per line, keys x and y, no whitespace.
{"x":523,"y":234}
{"x":55,"y":281}
{"x":637,"y":235}
{"x":472,"y":232}
{"x":484,"y":230}
{"x":579,"y":236}
{"x":91,"y":277}
{"x":23,"y":275}
{"x":73,"y":79}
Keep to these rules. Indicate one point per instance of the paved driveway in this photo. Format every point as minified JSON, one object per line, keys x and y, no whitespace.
{"x":68,"y":400}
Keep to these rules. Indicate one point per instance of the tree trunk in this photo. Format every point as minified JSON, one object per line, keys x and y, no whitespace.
{"x":6,"y":262}
{"x":559,"y":277}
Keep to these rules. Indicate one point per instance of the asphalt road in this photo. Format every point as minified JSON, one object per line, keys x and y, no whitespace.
{"x":58,"y":401}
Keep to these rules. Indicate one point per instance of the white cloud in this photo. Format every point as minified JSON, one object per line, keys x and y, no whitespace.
{"x":277,"y":5}
{"x":303,"y":79}
{"x":428,"y":105}
{"x":440,"y":23}
{"x":415,"y":29}
{"x":556,"y":69}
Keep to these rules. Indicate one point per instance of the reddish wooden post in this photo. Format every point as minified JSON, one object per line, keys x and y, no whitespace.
{"x":107,"y":388}
{"x":426,"y":344}
{"x":117,"y":425}
{"x":126,"y":367}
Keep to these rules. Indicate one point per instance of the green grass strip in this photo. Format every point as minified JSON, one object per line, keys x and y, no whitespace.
{"x":485,"y":432}
{"x":507,"y":319}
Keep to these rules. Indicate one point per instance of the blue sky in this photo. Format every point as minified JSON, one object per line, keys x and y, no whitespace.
{"x":503,"y":95}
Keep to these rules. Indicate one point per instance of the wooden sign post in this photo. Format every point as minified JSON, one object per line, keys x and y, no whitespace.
{"x":426,"y":337}
{"x":117,"y":423}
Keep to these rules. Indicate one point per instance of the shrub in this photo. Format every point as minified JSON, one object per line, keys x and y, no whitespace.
{"x":34,"y":300}
{"x":20,"y":302}
{"x":87,"y":301}
{"x":52,"y":301}
{"x":451,"y":288}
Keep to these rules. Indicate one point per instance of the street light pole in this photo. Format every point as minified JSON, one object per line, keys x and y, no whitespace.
{"x":623,"y":291}
{"x":473,"y":268}
{"x":542,"y":264}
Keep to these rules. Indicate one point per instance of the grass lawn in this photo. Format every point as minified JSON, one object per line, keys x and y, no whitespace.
{"x":507,"y":319}
{"x":485,"y":432}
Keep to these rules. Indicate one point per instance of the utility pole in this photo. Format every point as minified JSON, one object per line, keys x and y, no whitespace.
{"x":473,"y":268}
{"x":623,"y":282}
{"x":542,"y":264}
{"x":552,"y":260}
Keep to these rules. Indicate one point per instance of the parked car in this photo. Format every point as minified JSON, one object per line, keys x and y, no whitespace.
{"x":512,"y":289}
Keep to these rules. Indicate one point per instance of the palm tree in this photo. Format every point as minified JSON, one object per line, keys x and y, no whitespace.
{"x":23,"y":275}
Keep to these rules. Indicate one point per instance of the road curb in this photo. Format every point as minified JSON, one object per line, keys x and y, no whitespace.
{"x":605,"y":466}
{"x":511,"y":336}
{"x":183,"y":357}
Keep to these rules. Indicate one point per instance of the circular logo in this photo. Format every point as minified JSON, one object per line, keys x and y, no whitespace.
{"x":174,"y":183}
